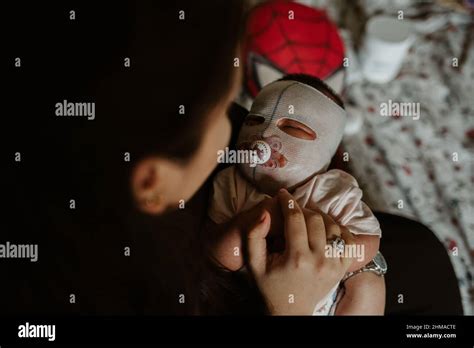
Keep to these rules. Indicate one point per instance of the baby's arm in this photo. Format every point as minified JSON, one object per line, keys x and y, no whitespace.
{"x":223,"y":234}
{"x":364,"y":295}
{"x":235,"y":205}
{"x":224,"y":244}
{"x":225,"y":239}
{"x":338,"y":194}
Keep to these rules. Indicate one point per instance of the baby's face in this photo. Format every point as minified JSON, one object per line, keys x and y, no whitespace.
{"x":294,"y":130}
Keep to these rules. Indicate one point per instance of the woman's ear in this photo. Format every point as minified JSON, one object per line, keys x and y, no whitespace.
{"x":147,"y":183}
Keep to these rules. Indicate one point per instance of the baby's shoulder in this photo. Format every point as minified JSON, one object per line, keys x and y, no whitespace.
{"x":230,"y":179}
{"x":336,"y":177}
{"x":226,"y":176}
{"x":227,"y":172}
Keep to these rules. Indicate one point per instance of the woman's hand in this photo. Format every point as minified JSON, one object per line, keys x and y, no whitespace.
{"x":293,"y":282}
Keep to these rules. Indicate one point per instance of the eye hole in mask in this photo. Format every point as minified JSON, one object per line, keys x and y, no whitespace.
{"x":296,"y":129}
{"x":253,"y":120}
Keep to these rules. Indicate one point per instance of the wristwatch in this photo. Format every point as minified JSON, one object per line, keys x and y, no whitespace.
{"x":378,"y":265}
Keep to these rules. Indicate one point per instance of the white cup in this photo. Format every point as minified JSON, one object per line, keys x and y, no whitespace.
{"x":386,"y":42}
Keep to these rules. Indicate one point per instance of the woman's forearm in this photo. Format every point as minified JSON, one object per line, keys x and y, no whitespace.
{"x":364,"y":295}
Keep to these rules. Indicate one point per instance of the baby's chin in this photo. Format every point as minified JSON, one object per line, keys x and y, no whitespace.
{"x":268,"y":188}
{"x":268,"y":185}
{"x":265,"y":184}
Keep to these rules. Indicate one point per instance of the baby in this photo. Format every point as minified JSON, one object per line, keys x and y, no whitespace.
{"x":294,"y":127}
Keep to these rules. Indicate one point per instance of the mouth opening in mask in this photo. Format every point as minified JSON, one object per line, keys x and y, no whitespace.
{"x":267,"y":150}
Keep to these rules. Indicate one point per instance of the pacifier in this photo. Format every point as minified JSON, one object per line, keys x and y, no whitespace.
{"x":263,"y":151}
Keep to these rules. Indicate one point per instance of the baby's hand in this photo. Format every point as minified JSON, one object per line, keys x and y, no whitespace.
{"x":226,"y":239}
{"x":225,"y":245}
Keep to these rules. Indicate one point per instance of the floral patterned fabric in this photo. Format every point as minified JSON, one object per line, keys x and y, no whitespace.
{"x":422,"y":168}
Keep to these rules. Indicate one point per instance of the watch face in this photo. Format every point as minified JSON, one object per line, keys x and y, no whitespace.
{"x":380,"y":262}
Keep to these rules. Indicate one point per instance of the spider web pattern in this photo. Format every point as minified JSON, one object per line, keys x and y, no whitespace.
{"x":309,"y":43}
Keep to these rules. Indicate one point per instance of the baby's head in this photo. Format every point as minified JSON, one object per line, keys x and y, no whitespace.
{"x":295,"y":125}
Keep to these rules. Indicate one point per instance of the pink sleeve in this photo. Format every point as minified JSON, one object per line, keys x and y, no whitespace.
{"x":224,"y":198}
{"x":337,"y":193}
{"x":231,"y":194}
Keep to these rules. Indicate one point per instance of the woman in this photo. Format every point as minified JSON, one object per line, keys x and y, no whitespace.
{"x":183,"y":156}
{"x":163,"y":80}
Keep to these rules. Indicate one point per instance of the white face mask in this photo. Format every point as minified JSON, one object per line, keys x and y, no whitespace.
{"x":285,"y":161}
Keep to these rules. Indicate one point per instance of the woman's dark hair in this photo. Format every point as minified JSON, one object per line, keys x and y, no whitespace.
{"x":182,"y":57}
{"x":173,"y":62}
{"x":317,"y":83}
{"x":181,"y":64}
